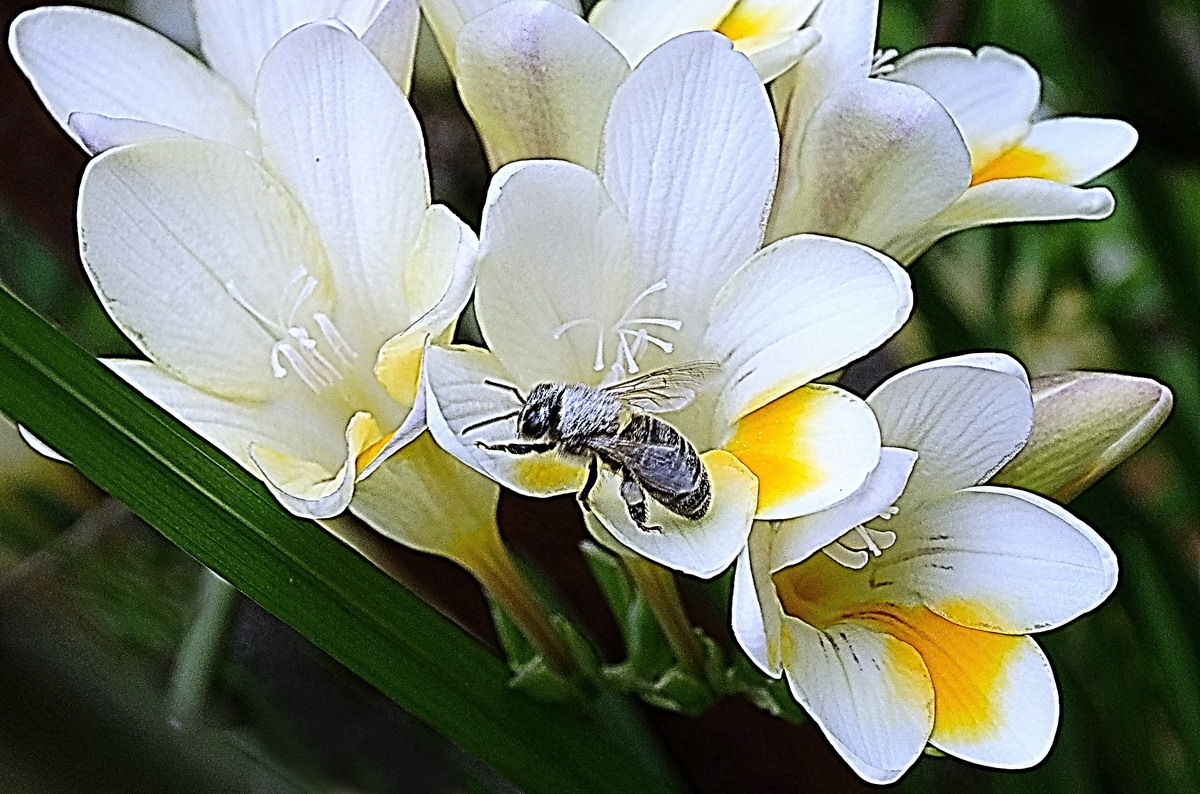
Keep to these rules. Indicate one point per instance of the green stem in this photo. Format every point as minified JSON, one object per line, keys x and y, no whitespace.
{"x":498,"y":575}
{"x":657,"y":585}
{"x":191,"y":677}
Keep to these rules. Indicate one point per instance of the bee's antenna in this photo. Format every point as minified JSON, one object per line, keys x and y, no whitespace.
{"x":487,"y":422}
{"x":507,"y":387}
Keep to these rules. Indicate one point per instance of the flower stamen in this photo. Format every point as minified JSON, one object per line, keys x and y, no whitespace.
{"x":631,"y":341}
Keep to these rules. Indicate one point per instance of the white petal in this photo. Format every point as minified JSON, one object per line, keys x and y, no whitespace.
{"x":1081,"y":149}
{"x":879,"y":159}
{"x":236,"y":35}
{"x":538,"y":82}
{"x":459,"y":398}
{"x":690,"y":156}
{"x":869,"y":693}
{"x":996,"y":701}
{"x":309,"y":489}
{"x":803,"y":307}
{"x":701,"y":547}
{"x":39,"y":446}
{"x":554,"y":251}
{"x":440,"y":274}
{"x":424,"y":498}
{"x":798,"y":539}
{"x":447,"y":17}
{"x":343,"y":138}
{"x":100,"y":133}
{"x":389,"y":30}
{"x":1002,"y":560}
{"x":757,"y":614}
{"x":992,"y":95}
{"x":1007,"y":201}
{"x":774,"y":54}
{"x":638,"y":26}
{"x":233,"y":425}
{"x":964,"y":420}
{"x":166,"y":227}
{"x":85,"y":60}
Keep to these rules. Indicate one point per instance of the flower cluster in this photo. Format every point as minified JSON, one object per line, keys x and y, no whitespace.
{"x":700,"y":215}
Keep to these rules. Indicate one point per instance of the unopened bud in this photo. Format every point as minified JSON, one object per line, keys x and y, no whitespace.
{"x":1084,"y":425}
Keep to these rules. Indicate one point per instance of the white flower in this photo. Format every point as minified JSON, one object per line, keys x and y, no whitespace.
{"x":110,"y":81}
{"x":263,"y":292}
{"x":926,"y":641}
{"x":654,"y":262}
{"x":538,"y":79}
{"x":899,"y":156}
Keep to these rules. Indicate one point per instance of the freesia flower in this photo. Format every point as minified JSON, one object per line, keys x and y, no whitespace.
{"x":284,"y":305}
{"x":913,"y":629}
{"x":952,"y":132}
{"x":110,"y":81}
{"x":589,"y":278}
{"x":538,"y":79}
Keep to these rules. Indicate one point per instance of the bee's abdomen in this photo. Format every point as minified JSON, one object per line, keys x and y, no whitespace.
{"x":679,"y":482}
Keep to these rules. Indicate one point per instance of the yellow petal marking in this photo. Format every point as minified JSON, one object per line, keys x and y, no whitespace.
{"x":398,"y":367}
{"x":748,"y":19}
{"x":1018,"y":163}
{"x":772,"y":444}
{"x":306,"y":479}
{"x":968,"y":667}
{"x":546,"y":474}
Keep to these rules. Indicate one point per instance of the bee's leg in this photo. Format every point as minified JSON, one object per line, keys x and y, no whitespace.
{"x":635,"y":501}
{"x":585,"y":494}
{"x":517,"y":448}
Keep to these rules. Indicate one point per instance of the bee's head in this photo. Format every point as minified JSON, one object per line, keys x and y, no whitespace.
{"x":539,"y":415}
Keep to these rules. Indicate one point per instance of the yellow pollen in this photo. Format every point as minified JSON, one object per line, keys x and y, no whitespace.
{"x":1017,"y":163}
{"x":549,"y":474}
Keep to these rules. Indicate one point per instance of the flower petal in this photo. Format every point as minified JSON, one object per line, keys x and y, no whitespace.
{"x":690,"y":157}
{"x":869,"y":693}
{"x":992,"y":95}
{"x":389,"y":30}
{"x":538,"y":81}
{"x":803,"y":307}
{"x":904,"y":163}
{"x":798,"y":539}
{"x":964,"y":419}
{"x":775,"y":53}
{"x":459,"y":398}
{"x":99,"y":133}
{"x":1081,"y":149}
{"x":236,"y":35}
{"x":440,"y":274}
{"x":997,"y":703}
{"x":447,"y":17}
{"x":343,"y":138}
{"x":809,"y":449}
{"x":701,"y":547}
{"x":181,"y":238}
{"x":1007,"y":201}
{"x":554,"y":270}
{"x":757,"y":614}
{"x":424,"y":498}
{"x":750,"y":19}
{"x":1001,"y":560}
{"x":638,"y":26}
{"x":80,"y":59}
{"x":233,"y":425}
{"x":305,"y":487}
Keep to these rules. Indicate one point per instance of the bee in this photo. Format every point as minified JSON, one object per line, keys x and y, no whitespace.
{"x":613,"y":426}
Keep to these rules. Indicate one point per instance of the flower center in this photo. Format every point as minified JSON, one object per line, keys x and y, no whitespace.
{"x":297,"y":351}
{"x":856,"y":547}
{"x":883,"y":63}
{"x":629,"y":335}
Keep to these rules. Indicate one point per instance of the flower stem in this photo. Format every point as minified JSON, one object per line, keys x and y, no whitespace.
{"x":496,"y":572}
{"x":657,"y":585}
{"x":191,"y":677}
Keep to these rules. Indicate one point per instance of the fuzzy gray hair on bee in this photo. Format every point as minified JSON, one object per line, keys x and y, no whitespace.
{"x":611,"y":425}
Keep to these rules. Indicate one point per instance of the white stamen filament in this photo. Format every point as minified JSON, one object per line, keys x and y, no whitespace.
{"x":881,"y":64}
{"x":856,"y":547}
{"x":627,"y":350}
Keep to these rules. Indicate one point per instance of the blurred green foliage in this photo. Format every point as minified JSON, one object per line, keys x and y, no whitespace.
{"x":1119,"y":294}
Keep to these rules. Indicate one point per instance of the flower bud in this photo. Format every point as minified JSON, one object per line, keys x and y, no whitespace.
{"x":1085,"y":424}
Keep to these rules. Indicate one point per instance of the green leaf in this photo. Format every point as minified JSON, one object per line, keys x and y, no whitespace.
{"x":211,"y":508}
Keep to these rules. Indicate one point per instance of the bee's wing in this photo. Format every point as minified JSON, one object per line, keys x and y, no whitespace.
{"x":663,"y":390}
{"x":660,"y":466}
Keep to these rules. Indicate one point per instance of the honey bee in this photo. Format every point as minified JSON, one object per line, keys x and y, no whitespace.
{"x":612,"y":425}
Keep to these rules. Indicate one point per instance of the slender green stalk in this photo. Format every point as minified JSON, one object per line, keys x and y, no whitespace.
{"x":192,"y":675}
{"x":657,"y":585}
{"x":498,"y":574}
